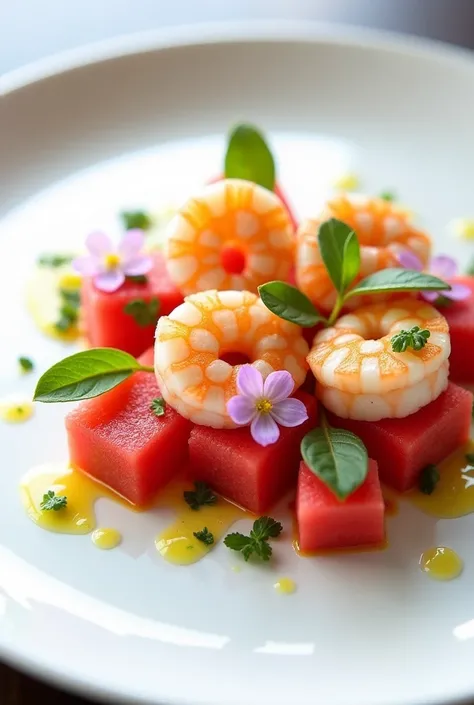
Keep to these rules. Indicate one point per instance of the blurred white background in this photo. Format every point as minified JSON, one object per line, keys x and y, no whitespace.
{"x":34,"y":29}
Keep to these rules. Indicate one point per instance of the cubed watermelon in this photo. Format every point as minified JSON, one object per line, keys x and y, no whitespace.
{"x":234,"y":465}
{"x":326,"y":522}
{"x":460,"y":316}
{"x":105,"y":320}
{"x":119,"y":441}
{"x":403,"y":447}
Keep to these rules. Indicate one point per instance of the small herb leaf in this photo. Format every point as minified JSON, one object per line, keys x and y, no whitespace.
{"x":200,"y":496}
{"x":53,"y":502}
{"x":429,"y":478}
{"x":266,"y":527}
{"x":337,"y":457}
{"x":388,"y":196}
{"x":205,"y":536}
{"x":263,"y":529}
{"x":136,"y":219}
{"x":395,"y":279}
{"x":158,"y":406}
{"x":26,"y":365}
{"x":289,"y":303}
{"x":144,"y":313}
{"x":470,"y":458}
{"x":84,"y":375}
{"x":137,"y":278}
{"x":414,"y":338}
{"x":332,"y":239}
{"x":249,"y":157}
{"x":54,"y":260}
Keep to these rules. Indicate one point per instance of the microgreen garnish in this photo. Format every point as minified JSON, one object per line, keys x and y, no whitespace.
{"x":145,"y":313}
{"x":136,"y":219}
{"x":86,"y":374}
{"x":54,"y":260}
{"x":158,"y":406}
{"x":337,"y":457}
{"x":69,"y":309}
{"x":256,"y":543}
{"x":205,"y":536}
{"x":249,"y":157}
{"x":26,"y":364}
{"x":388,"y":196}
{"x":201,"y":495}
{"x":414,"y":338}
{"x":429,"y":478}
{"x":470,"y":458}
{"x":137,"y":279}
{"x":53,"y":502}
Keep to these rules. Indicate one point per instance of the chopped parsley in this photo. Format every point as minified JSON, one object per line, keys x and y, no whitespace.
{"x":388,"y":196}
{"x":414,"y":338}
{"x":205,"y":536}
{"x":201,"y":495}
{"x":26,"y":365}
{"x":429,"y":478}
{"x":145,"y":313}
{"x":54,"y":260}
{"x":470,"y":458}
{"x":256,"y":543}
{"x":53,"y":502}
{"x":136,"y":219}
{"x":158,"y":406}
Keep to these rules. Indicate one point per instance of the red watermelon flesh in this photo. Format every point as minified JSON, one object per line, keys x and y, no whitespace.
{"x":403,"y":447}
{"x":107,"y":324}
{"x":234,"y":465}
{"x":326,"y":522}
{"x":460,"y":316}
{"x":120,"y":442}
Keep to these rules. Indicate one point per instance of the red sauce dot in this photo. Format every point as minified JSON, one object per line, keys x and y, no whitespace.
{"x":233,"y":260}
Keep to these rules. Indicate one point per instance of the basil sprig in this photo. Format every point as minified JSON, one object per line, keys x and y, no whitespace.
{"x":249,"y":157}
{"x":86,"y":374}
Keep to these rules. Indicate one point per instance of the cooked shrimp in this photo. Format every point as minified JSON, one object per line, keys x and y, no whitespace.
{"x":361,"y":377}
{"x":235,"y":235}
{"x":383,"y":231}
{"x":191,"y":341}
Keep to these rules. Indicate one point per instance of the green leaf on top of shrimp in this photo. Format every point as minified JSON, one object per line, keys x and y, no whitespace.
{"x":249,"y":157}
{"x":289,"y":303}
{"x":396,"y":279}
{"x":340,"y":252}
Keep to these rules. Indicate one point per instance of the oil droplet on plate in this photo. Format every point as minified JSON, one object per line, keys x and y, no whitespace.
{"x":347,"y":182}
{"x":106,"y":539}
{"x":441,"y":563}
{"x":236,"y":568}
{"x":177,"y":543}
{"x":16,"y":410}
{"x":285,"y":586}
{"x":463,"y":228}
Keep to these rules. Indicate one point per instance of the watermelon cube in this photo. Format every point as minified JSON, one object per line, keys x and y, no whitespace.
{"x":120,"y":442}
{"x":460,"y":316}
{"x":234,"y":465}
{"x":403,"y":447}
{"x":324,"y":521}
{"x":106,"y":322}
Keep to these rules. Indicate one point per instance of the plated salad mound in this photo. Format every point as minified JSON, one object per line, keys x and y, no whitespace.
{"x":257,"y":358}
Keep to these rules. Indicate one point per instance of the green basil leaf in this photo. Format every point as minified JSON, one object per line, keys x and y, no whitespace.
{"x":85,"y":375}
{"x":337,"y":457}
{"x":395,"y":279}
{"x":350,"y":261}
{"x":289,"y":303}
{"x":332,"y":238}
{"x":249,"y":157}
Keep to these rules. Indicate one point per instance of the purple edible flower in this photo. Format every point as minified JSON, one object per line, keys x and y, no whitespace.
{"x":265,"y":404}
{"x":441,"y":266}
{"x":108,"y":265}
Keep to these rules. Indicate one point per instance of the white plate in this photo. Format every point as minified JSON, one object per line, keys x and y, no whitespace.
{"x":362,"y":629}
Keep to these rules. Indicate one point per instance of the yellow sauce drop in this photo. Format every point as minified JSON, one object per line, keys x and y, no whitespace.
{"x":177,"y":543}
{"x":236,"y":568}
{"x":285,"y":586}
{"x":463,"y":228}
{"x":441,"y":563}
{"x":44,"y":302}
{"x":347,"y":182}
{"x":106,"y":539}
{"x":16,"y":410}
{"x":453,"y":495}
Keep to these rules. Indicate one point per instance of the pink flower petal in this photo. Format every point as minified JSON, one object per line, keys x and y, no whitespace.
{"x":250,"y":382}
{"x":241,"y":410}
{"x":264,"y":430}
{"x":278,"y":386}
{"x":88,"y":265}
{"x":430,"y":296}
{"x":99,"y":244}
{"x":409,"y":260}
{"x":109,"y":281}
{"x":131,"y":243}
{"x":443,"y":266}
{"x":289,"y":412}
{"x":458,"y":292}
{"x":141,"y":264}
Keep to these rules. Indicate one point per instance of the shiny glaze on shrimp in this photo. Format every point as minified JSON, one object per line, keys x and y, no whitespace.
{"x":191,"y":341}
{"x":229,"y":215}
{"x":358,"y":371}
{"x":383,"y":231}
